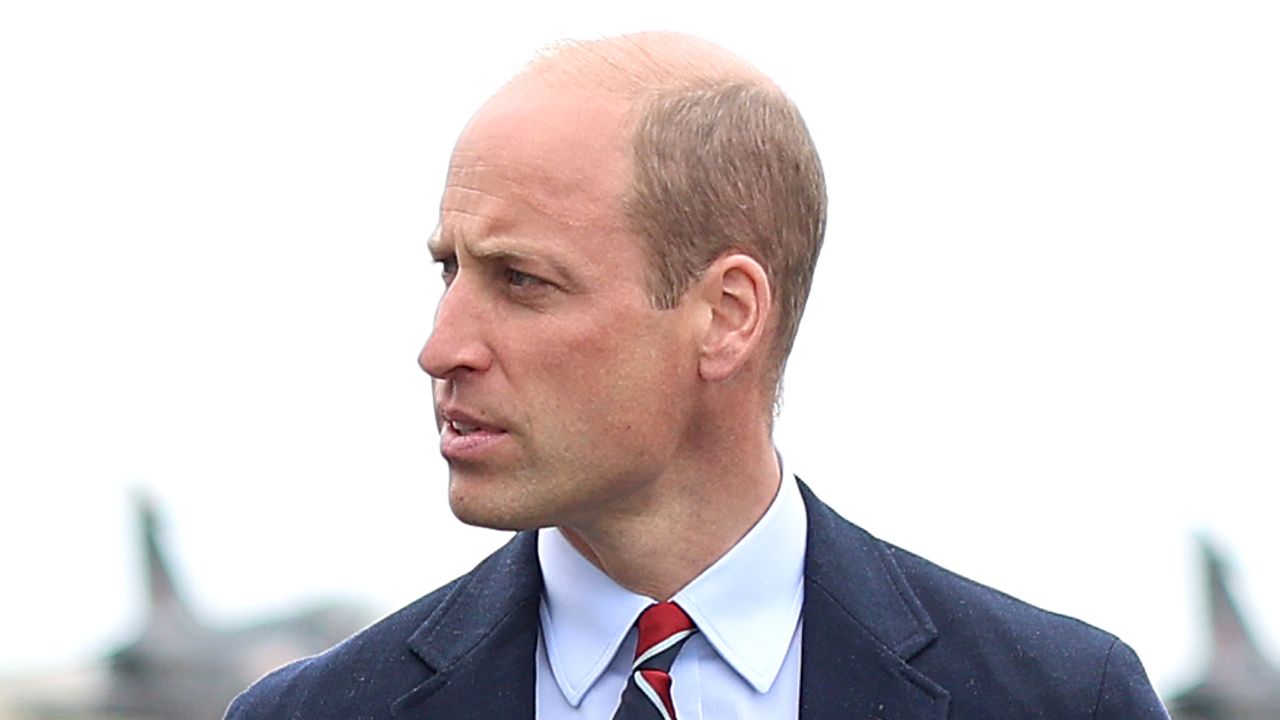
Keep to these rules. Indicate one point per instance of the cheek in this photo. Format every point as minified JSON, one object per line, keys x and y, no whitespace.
{"x":598,"y":373}
{"x":627,"y":381}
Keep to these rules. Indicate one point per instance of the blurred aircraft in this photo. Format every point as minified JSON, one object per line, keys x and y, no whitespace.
{"x":1240,"y":683}
{"x":177,"y":668}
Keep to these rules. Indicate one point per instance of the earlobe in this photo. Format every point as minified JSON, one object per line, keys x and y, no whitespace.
{"x":736,"y":290}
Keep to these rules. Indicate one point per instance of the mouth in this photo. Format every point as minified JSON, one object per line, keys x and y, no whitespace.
{"x":465,"y":429}
{"x":464,"y":438}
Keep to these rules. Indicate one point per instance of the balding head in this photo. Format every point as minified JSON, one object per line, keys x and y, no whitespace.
{"x":644,"y":64}
{"x":720,"y":161}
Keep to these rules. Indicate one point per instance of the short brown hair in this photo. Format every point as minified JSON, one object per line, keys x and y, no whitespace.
{"x":721,"y":166}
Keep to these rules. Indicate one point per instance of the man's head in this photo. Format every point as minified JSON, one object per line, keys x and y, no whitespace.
{"x":627,"y":236}
{"x":722,"y":161}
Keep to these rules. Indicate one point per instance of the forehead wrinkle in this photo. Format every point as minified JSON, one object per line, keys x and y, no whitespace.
{"x":448,"y":235}
{"x":540,"y":186}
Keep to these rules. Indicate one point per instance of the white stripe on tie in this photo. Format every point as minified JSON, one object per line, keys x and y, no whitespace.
{"x":659,"y":647}
{"x":652,"y":694}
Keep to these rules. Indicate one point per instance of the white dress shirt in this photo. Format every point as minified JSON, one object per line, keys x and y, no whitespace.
{"x":744,"y":662}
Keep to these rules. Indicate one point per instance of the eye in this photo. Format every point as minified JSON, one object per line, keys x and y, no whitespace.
{"x":517,"y":279}
{"x":448,"y":269}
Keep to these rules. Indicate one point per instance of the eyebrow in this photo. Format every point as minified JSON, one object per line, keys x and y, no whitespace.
{"x":437,"y":247}
{"x":499,"y":254}
{"x":489,"y":245}
{"x":493,"y":251}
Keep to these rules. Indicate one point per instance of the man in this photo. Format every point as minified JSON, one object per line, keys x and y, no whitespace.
{"x":627,"y":239}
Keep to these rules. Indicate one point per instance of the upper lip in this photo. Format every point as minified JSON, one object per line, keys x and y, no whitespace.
{"x":457,"y":416}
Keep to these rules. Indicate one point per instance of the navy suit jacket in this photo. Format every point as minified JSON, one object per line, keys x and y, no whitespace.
{"x":887,"y":636}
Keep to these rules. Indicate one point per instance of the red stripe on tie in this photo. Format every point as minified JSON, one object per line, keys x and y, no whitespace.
{"x":661,"y":683}
{"x":658,"y":623}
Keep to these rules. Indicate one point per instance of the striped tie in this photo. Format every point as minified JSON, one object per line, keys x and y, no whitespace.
{"x":663,"y":628}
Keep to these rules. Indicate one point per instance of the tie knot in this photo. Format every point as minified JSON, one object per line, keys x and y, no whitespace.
{"x":660,"y":626}
{"x":662,"y":630}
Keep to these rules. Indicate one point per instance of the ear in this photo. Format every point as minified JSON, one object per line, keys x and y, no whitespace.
{"x":736,"y":292}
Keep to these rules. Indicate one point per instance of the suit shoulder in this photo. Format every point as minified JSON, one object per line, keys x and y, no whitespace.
{"x":363,"y":675}
{"x":946,"y":608}
{"x":957,"y":602}
{"x":369,"y":658}
{"x":990,"y":644}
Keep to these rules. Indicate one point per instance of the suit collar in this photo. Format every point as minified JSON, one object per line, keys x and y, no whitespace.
{"x":480,"y":642}
{"x":862,"y":624}
{"x":860,"y":575}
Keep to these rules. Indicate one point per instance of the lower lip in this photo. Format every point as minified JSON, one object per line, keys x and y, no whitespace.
{"x":455,"y":446}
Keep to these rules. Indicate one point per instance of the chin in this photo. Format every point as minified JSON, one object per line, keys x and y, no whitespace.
{"x":490,"y":509}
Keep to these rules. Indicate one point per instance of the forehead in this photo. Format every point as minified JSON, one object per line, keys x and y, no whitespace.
{"x":557,"y":150}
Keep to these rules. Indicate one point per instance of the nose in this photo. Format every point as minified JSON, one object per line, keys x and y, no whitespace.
{"x":456,"y":342}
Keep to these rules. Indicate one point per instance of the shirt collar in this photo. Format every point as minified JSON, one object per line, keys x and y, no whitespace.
{"x":585,"y":615}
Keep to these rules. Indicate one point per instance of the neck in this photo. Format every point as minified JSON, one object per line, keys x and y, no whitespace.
{"x":688,"y":520}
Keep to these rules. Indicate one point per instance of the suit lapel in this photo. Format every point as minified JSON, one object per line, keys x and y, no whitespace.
{"x":862,"y":624}
{"x":480,"y":642}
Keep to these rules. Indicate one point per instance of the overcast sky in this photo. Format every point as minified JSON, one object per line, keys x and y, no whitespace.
{"x":1041,"y":347}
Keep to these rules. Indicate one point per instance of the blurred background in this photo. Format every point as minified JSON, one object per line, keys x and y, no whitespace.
{"x":1041,"y":347}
